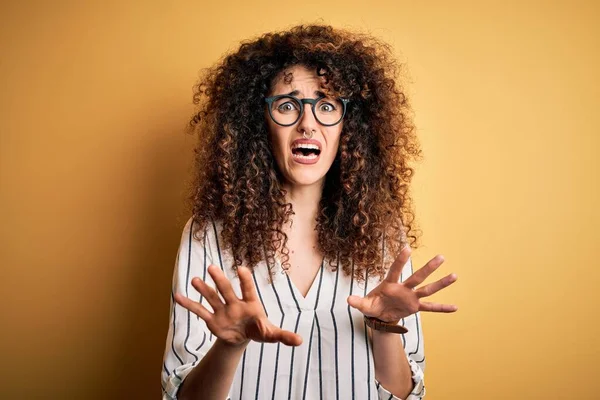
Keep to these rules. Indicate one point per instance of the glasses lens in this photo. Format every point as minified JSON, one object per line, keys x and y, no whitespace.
{"x":329,"y":111}
{"x":285,"y":110}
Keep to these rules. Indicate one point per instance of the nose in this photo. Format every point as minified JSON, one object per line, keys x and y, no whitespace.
{"x":308,"y":122}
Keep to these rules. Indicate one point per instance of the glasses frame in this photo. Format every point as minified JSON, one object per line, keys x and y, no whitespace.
{"x":313,"y":102}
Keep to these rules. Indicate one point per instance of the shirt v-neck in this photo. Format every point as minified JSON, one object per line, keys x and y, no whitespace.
{"x":310,"y":301}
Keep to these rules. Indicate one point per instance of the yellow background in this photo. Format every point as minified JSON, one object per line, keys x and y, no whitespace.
{"x":94,"y":98}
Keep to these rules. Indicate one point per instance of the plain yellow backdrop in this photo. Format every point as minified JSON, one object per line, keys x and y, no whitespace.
{"x":94,"y":99}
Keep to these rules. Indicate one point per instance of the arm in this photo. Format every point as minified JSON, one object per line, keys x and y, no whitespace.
{"x":212,"y":378}
{"x":399,"y":359}
{"x":190,"y":347}
{"x":392,"y":369}
{"x":213,"y":310}
{"x":397,"y":298}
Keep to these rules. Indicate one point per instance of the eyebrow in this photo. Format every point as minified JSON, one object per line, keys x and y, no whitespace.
{"x":318,"y":93}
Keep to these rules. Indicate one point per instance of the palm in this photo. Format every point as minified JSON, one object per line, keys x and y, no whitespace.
{"x":234,"y":320}
{"x":239,"y":321}
{"x":392,"y":300}
{"x":261,"y":330}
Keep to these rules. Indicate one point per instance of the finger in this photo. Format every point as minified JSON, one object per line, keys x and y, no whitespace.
{"x":246,"y":284}
{"x":222,"y":284}
{"x":209,"y":293}
{"x":193,"y":306}
{"x":418,"y":277}
{"x":435,"y":287}
{"x":358,"y":302}
{"x":437,"y":307}
{"x":285,"y":337}
{"x":395,"y":271}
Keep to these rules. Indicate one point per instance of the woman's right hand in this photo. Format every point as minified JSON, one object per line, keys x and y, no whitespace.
{"x":236,"y":321}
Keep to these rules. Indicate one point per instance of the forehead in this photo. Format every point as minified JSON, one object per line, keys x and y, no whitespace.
{"x":304,"y":80}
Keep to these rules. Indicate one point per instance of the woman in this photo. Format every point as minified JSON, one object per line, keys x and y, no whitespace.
{"x":301,"y":229}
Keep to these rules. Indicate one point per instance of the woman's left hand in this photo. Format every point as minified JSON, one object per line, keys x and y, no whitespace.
{"x":392,"y":300}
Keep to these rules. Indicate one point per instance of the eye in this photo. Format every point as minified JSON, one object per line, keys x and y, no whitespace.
{"x":326,"y":107}
{"x":288,"y":106}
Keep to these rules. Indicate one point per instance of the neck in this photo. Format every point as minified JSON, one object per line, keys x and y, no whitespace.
{"x":305,"y":202}
{"x":301,"y":230}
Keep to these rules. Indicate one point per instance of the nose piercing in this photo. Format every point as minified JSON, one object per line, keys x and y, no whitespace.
{"x":312,"y":132}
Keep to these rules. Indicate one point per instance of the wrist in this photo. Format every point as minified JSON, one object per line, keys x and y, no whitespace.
{"x":241,"y":346}
{"x":383,"y":326}
{"x":395,"y":322}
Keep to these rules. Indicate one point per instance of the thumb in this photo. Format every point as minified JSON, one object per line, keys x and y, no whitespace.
{"x":287,"y":337}
{"x":357,"y":302}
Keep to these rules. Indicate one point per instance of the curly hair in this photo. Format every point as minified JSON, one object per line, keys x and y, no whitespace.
{"x":365,"y":205}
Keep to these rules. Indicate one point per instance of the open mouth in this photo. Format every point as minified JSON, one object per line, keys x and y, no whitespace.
{"x":306,"y":151}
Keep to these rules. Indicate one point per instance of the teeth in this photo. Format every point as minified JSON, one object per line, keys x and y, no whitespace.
{"x":305,"y":146}
{"x":310,"y":157}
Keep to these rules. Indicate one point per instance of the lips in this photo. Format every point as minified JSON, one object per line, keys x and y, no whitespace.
{"x":306,"y":141}
{"x":306,"y":151}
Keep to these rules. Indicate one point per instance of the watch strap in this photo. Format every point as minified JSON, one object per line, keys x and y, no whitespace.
{"x":383,"y":326}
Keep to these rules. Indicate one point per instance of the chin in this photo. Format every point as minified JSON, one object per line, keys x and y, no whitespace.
{"x":305,"y":178}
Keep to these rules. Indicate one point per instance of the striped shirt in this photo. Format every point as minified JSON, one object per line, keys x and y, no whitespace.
{"x":335,"y":359}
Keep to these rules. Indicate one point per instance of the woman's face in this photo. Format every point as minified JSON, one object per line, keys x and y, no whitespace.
{"x":302,"y":167}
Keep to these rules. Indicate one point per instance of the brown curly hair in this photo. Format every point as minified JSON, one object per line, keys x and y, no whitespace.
{"x":365,"y":202}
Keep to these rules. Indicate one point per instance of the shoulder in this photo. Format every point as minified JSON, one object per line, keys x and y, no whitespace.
{"x":208,"y":236}
{"x":200,"y":238}
{"x":210,"y":231}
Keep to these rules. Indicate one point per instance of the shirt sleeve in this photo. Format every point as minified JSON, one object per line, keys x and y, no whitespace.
{"x":188,"y":338}
{"x":413,"y":348}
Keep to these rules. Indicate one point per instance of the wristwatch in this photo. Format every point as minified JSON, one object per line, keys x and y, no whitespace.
{"x":380,"y":325}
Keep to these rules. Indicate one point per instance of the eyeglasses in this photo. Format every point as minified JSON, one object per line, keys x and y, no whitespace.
{"x":286,"y":110}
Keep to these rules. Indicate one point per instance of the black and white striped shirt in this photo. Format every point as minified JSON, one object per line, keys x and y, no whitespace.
{"x":335,"y":359}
